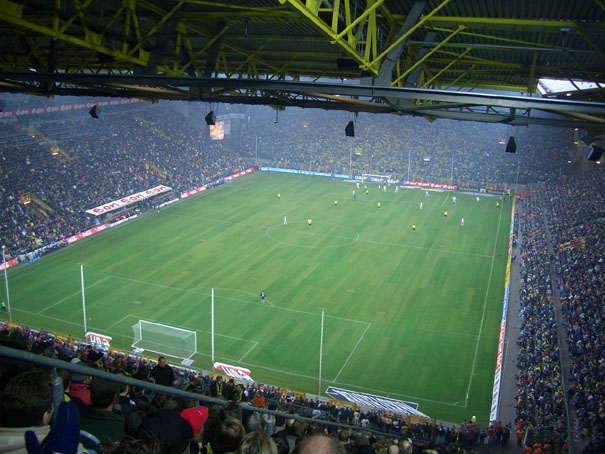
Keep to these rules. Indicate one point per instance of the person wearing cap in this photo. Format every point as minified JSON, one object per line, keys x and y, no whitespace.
{"x":196,"y":417}
{"x":99,"y":419}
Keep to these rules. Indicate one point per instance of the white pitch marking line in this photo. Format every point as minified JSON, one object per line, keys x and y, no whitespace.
{"x":352,"y":351}
{"x":250,"y":364}
{"x":246,"y":354}
{"x":470,"y":382}
{"x":118,"y":322}
{"x":79,"y":292}
{"x":446,"y":196}
{"x":202,"y":292}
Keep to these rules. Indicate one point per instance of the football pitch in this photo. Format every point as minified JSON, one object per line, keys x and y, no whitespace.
{"x":411,"y":315}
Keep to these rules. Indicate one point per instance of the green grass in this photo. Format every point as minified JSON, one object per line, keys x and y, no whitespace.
{"x":413,"y":315}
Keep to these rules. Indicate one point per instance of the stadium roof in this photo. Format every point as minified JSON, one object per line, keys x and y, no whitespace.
{"x":419,"y":57}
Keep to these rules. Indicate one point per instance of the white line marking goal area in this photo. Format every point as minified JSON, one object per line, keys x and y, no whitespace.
{"x":292,"y":344}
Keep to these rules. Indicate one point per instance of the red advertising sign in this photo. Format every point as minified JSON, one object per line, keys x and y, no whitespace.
{"x":98,"y":339}
{"x":239,"y":373}
{"x":85,"y":233}
{"x":110,"y":206}
{"x":193,"y":191}
{"x":239,"y":174}
{"x":8,"y":264}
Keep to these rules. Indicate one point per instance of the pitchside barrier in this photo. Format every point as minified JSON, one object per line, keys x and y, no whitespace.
{"x":493,"y":416}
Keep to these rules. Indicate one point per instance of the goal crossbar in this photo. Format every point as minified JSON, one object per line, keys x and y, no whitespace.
{"x":164,"y":339}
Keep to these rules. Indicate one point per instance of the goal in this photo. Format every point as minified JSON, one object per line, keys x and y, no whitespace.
{"x":165,"y":340}
{"x":376,"y":178}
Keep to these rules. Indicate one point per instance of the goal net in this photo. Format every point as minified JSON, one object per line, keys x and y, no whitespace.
{"x":376,"y":178}
{"x":165,"y":340}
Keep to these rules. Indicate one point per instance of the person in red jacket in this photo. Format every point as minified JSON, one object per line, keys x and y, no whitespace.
{"x":258,"y":400}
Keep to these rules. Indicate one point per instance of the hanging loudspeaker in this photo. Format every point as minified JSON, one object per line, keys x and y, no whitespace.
{"x":511,"y":145}
{"x":350,"y":129}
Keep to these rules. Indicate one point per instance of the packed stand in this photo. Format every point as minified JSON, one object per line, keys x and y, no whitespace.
{"x":540,"y":403}
{"x":466,"y":153}
{"x":104,"y":159}
{"x":121,"y":417}
{"x":577,"y":213}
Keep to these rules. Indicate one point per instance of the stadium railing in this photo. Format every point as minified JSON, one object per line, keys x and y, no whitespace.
{"x":53,"y":363}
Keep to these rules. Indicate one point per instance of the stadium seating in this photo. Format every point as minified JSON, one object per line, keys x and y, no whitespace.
{"x":131,"y":149}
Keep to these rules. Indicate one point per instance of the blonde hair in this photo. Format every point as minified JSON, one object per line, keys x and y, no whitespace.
{"x":257,"y":443}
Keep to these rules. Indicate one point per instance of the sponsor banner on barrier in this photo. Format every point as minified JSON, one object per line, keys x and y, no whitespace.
{"x":239,"y":174}
{"x":227,"y":179}
{"x":65,"y":107}
{"x":372,"y":401}
{"x":85,"y":233}
{"x":98,"y":339}
{"x":432,"y":185}
{"x":128,"y":200}
{"x":8,"y":264}
{"x":240,"y":373}
{"x":193,"y":191}
{"x":493,"y":415}
{"x":305,"y":172}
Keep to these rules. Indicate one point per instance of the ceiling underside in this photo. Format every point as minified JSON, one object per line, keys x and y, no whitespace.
{"x":418,"y":57}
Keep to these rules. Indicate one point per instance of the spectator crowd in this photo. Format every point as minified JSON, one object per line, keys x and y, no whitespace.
{"x":136,"y":148}
{"x":120,"y":417}
{"x":561,"y":225}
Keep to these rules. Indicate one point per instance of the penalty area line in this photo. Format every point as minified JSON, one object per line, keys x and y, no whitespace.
{"x":352,"y":351}
{"x":246,"y":354}
{"x":79,"y":292}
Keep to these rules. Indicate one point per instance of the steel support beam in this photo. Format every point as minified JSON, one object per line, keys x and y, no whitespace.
{"x":388,"y":64}
{"x":402,"y":38}
{"x":88,"y":43}
{"x":428,"y":54}
{"x":449,"y":65}
{"x":423,"y":54}
{"x":347,"y":46}
{"x":360,"y":91}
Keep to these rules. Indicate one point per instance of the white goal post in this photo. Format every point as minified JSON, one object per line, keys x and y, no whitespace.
{"x":165,"y":340}
{"x":376,"y":178}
